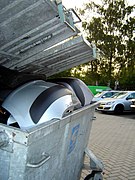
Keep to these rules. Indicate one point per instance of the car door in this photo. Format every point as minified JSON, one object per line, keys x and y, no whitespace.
{"x":129,"y":99}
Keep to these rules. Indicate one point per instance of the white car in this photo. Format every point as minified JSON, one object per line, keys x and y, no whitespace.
{"x":133,"y":105}
{"x":103,"y":94}
{"x":118,"y":103}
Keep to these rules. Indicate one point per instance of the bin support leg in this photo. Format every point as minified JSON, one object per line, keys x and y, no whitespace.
{"x":95,"y":165}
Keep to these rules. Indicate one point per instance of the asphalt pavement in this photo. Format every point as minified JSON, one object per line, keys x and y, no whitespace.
{"x":112,"y":140}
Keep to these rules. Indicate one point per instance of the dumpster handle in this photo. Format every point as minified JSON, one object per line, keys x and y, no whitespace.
{"x":40,"y":163}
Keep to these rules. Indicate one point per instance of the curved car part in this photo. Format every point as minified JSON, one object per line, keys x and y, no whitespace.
{"x":78,"y":87}
{"x":37,"y":102}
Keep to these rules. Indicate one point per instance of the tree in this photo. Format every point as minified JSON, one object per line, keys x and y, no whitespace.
{"x":66,"y":73}
{"x":112,"y":30}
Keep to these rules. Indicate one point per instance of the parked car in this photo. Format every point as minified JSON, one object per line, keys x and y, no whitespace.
{"x":133,"y":105}
{"x":118,"y":103}
{"x":103,"y":94}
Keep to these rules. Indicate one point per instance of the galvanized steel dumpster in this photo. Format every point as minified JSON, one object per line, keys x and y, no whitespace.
{"x":53,"y":150}
{"x":34,"y":38}
{"x":37,"y":36}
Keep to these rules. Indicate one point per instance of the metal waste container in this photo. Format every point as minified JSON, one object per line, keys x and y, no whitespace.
{"x":37,"y":38}
{"x":44,"y":149}
{"x":51,"y":150}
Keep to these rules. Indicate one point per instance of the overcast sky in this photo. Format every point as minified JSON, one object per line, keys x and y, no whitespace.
{"x":79,"y":3}
{"x":73,"y":3}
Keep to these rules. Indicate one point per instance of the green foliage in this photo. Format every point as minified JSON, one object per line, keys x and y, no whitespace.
{"x":113,"y":32}
{"x":62,"y":74}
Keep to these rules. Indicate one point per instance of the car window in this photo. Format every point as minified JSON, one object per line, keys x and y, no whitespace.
{"x":131,"y":96}
{"x":119,"y":95}
{"x":99,"y":94}
{"x":114,"y":93}
{"x":108,"y":94}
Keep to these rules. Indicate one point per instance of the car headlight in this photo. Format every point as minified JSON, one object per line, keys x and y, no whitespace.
{"x":109,"y":103}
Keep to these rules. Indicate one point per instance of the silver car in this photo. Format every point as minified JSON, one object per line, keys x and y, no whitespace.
{"x":118,"y":103}
{"x":103,"y":94}
{"x":133,"y":105}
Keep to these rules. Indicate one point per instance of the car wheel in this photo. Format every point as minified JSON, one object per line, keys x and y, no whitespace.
{"x":119,"y":109}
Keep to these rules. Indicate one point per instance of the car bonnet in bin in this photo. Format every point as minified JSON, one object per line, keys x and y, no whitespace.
{"x":78,"y":87}
{"x":37,"y":102}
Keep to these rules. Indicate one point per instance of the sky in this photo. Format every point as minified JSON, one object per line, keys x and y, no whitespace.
{"x":79,"y":3}
{"x":73,"y":3}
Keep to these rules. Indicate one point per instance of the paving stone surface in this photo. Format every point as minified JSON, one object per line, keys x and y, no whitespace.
{"x":112,"y":140}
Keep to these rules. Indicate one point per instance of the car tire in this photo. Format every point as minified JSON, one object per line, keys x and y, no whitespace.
{"x":119,"y":109}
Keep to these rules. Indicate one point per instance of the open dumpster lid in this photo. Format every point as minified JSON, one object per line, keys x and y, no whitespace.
{"x":58,"y":58}
{"x":32,"y":25}
{"x":30,"y":33}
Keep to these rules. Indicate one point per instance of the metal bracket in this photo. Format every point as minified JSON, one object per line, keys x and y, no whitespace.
{"x":95,"y":164}
{"x":58,"y":1}
{"x":74,"y":12}
{"x":66,"y":15}
{"x":94,"y":118}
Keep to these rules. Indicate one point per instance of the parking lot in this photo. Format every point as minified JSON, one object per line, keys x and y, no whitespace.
{"x":112,"y":139}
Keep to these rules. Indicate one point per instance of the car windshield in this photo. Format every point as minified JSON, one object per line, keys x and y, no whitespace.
{"x":119,"y":95}
{"x":99,"y":94}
